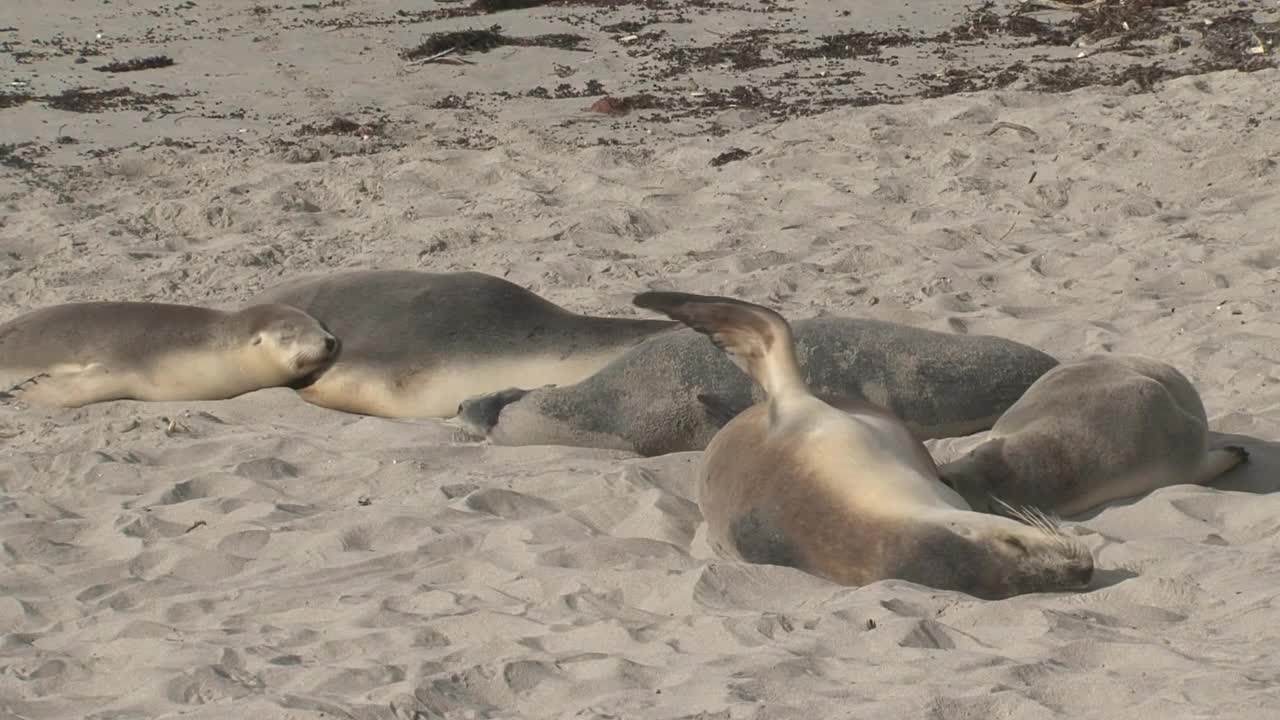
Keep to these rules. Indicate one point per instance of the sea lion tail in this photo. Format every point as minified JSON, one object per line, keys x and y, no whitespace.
{"x":757,"y":339}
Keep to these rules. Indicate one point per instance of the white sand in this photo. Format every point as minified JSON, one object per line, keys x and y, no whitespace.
{"x":262,"y":558}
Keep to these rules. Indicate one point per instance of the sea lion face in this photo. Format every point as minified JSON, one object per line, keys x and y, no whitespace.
{"x":1029,"y":558}
{"x":298,"y":342}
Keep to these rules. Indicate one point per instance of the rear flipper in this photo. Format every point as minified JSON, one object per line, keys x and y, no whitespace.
{"x":1217,"y":462}
{"x":479,"y":415}
{"x":69,"y":386}
{"x":15,"y":392}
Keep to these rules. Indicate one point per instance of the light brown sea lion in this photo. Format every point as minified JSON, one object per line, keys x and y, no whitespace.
{"x":415,"y":344}
{"x":848,"y":494}
{"x":1093,"y":431}
{"x":79,"y":353}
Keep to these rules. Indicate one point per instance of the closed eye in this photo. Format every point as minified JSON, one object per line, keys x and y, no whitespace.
{"x":1016,"y":544}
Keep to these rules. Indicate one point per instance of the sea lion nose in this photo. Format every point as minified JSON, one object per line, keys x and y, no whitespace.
{"x":330,"y":343}
{"x":1084,"y":574}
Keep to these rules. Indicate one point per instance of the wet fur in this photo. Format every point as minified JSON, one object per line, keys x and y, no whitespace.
{"x":1090,"y":432}
{"x":416,"y":344}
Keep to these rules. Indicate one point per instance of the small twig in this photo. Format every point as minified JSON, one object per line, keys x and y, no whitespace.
{"x":197,"y":524}
{"x":437,"y":56}
{"x":1022,"y":129}
{"x":1007,"y":232}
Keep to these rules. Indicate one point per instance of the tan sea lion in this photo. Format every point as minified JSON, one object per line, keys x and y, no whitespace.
{"x":848,"y":494}
{"x":416,"y":344}
{"x":1090,"y":432}
{"x":79,"y":353}
{"x":673,"y":392}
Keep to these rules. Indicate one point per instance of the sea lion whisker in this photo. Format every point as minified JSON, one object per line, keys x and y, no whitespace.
{"x":1050,"y":524}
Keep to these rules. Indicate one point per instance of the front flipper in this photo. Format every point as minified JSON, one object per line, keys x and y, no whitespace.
{"x":479,"y":415}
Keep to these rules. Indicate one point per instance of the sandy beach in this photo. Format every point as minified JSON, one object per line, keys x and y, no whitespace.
{"x":1079,"y":179}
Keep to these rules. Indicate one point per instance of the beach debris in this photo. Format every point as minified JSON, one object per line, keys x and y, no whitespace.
{"x":344,"y":126}
{"x":173,"y":427}
{"x":493,"y":6}
{"x":89,"y":100}
{"x":730,"y":155}
{"x":437,"y":56}
{"x":1020,"y":129}
{"x":442,"y":44}
{"x":144,"y":63}
{"x":611,"y":105}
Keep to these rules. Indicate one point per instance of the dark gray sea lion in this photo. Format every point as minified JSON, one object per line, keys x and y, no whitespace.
{"x":673,"y":392}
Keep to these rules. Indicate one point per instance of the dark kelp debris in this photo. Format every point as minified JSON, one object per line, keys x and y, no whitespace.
{"x":731,"y":155}
{"x":1129,"y":21}
{"x":10,"y":158}
{"x":1237,"y":41}
{"x":480,"y":41}
{"x":343,"y":126}
{"x":145,"y":63}
{"x":610,"y":105}
{"x":493,"y":6}
{"x":8,"y":100}
{"x":87,"y":100}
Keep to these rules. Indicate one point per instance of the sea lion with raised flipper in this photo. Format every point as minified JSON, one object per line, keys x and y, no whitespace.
{"x":848,"y":494}
{"x":673,"y":392}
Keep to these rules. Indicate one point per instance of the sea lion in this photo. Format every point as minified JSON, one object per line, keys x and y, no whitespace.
{"x":79,"y":353}
{"x":1089,"y":432}
{"x":673,"y":392}
{"x":415,"y":344}
{"x":848,"y":494}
